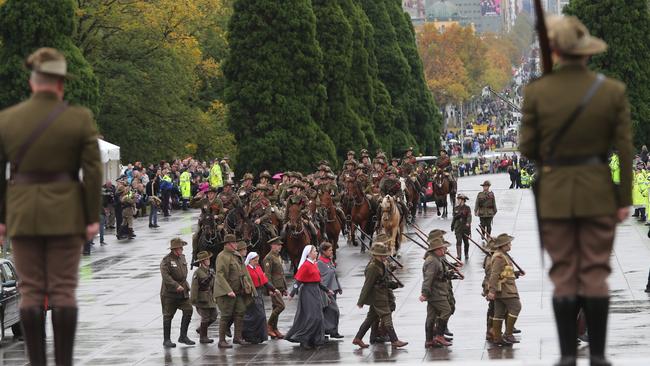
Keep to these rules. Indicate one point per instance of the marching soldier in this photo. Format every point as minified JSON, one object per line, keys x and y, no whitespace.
{"x":274,"y":271}
{"x":202,"y":294}
{"x":461,"y":225}
{"x":576,"y":228}
{"x":175,"y":292}
{"x":435,"y":290}
{"x":503,"y":291}
{"x":48,"y":211}
{"x":128,"y":210}
{"x":376,"y":293}
{"x":233,"y":290}
{"x":486,"y":207}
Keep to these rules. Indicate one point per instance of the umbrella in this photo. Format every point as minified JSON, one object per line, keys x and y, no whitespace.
{"x":453,"y":141}
{"x":278,"y":176}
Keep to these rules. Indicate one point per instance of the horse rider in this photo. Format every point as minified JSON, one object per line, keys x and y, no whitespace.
{"x":391,"y":185}
{"x":365,"y":160}
{"x":284,"y":187}
{"x":209,"y":201}
{"x":265,"y":180}
{"x":408,"y":163}
{"x":327,"y":185}
{"x":394,"y":162}
{"x":349,"y":171}
{"x":246,"y":188}
{"x":260,"y":210}
{"x":300,"y":199}
{"x":228,"y":198}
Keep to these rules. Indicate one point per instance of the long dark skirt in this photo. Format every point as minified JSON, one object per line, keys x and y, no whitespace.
{"x":331,"y":317}
{"x":255,"y":320}
{"x":308,"y":324}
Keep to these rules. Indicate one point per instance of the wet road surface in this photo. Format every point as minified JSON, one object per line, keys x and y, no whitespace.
{"x":121,"y":324}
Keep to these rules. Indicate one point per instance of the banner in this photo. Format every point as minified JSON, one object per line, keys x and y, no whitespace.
{"x":481,"y":129}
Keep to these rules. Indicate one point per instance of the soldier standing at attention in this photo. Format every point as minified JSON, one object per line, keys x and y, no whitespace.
{"x":503,"y":291}
{"x":274,"y":271}
{"x":435,"y":288}
{"x":175,"y":292}
{"x":578,"y":231}
{"x":486,"y":207}
{"x":375,"y":293}
{"x":233,"y":290}
{"x":202,"y":294}
{"x":46,"y":244}
{"x":461,"y":224}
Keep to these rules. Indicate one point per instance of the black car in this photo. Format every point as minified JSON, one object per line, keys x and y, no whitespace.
{"x":9,"y":299}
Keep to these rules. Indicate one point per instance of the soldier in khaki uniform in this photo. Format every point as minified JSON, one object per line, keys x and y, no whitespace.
{"x":260,"y":210}
{"x":128,"y":209}
{"x":503,"y":290}
{"x":45,"y":183}
{"x":175,"y":292}
{"x":486,"y":207}
{"x":228,"y":198}
{"x":435,"y":291}
{"x":376,"y":293}
{"x":461,"y":225}
{"x":578,"y":230}
{"x":233,"y":290}
{"x":202,"y":294}
{"x":274,"y":271}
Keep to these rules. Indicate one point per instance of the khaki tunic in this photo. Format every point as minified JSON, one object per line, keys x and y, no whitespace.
{"x":435,"y":286}
{"x":502,"y":277}
{"x":376,"y":291}
{"x":174,"y":272}
{"x":486,"y":205}
{"x":274,"y":271}
{"x":202,"y":290}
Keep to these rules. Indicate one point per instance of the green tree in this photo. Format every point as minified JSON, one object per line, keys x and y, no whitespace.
{"x":274,"y":88}
{"x":334,"y":34}
{"x":625,"y":26}
{"x":26,"y":25}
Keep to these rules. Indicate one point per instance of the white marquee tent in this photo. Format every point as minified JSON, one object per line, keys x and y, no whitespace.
{"x":110,"y":155}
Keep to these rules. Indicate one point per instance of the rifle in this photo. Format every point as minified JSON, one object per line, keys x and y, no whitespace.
{"x":399,"y":283}
{"x":415,"y":241}
{"x":453,"y":268}
{"x":367,"y":248}
{"x":479,"y":246}
{"x":487,"y":237}
{"x":544,"y":43}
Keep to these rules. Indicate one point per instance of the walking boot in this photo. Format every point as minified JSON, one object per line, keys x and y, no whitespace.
{"x":167,"y":331}
{"x":566,"y":312}
{"x":440,"y":339}
{"x":466,"y":256}
{"x":185,"y":323}
{"x":223,"y":325}
{"x":203,"y":331}
{"x":496,"y":331}
{"x":510,"y":324}
{"x":394,"y":341}
{"x":64,"y":323}
{"x":239,"y":328}
{"x":489,"y":336}
{"x":278,"y":333}
{"x":131,"y":234}
{"x":459,"y":252}
{"x":271,"y":332}
{"x":428,"y":335}
{"x":596,"y":311}
{"x":32,"y":320}
{"x":359,"y":342}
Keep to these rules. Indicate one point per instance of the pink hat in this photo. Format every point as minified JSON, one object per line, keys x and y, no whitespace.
{"x":204,"y":187}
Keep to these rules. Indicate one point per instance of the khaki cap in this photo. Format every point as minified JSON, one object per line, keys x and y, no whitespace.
{"x":502,"y":240}
{"x":177,"y":243}
{"x":569,"y":36}
{"x":202,"y":255}
{"x":48,"y":61}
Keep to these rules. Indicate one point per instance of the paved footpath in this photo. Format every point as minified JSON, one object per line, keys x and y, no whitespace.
{"x":121,"y":324}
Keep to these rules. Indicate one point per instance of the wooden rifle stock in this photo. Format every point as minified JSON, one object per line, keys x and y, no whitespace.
{"x":544,"y":43}
{"x":487,"y":237}
{"x":478,"y":245}
{"x":453,"y":268}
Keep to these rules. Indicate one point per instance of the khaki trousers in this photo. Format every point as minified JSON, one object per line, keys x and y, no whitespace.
{"x":48,"y":266}
{"x":580,"y":249}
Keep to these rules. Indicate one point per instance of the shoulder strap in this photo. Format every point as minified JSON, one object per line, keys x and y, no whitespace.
{"x":600,"y":78}
{"x":38,"y":131}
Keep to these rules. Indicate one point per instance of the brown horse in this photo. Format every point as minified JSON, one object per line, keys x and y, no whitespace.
{"x":332,"y":223}
{"x":391,"y":223}
{"x":412,"y":196}
{"x":441,"y":188}
{"x":296,"y":234}
{"x":360,"y":213}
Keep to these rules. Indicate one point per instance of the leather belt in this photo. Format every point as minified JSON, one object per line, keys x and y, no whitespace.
{"x":43,"y":177}
{"x":575,"y":161}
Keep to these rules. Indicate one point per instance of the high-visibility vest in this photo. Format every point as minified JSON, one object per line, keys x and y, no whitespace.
{"x":185,"y":185}
{"x":615,"y":167}
{"x":216,"y":180}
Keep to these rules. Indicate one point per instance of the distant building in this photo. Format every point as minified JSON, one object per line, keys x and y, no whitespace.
{"x":484,"y":15}
{"x":442,"y":14}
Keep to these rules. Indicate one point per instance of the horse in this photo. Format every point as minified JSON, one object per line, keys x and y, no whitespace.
{"x":207,"y":238}
{"x":234,"y":221}
{"x":412,"y":197}
{"x":441,"y":188}
{"x":391,"y":223}
{"x":332,"y":223}
{"x":296,"y":234}
{"x":360,"y":214}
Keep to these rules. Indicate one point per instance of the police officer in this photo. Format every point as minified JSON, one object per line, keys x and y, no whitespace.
{"x":202,"y":294}
{"x":233,"y":290}
{"x":45,"y":171}
{"x":486,"y":207}
{"x":376,"y":294}
{"x":503,"y":291}
{"x":274,"y":271}
{"x":435,"y":292}
{"x":461,"y":225}
{"x":175,"y":292}
{"x":578,"y":230}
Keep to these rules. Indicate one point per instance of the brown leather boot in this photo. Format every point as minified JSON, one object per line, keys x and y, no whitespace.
{"x":359,"y":342}
{"x":459,"y":252}
{"x":510,"y":325}
{"x":32,"y":320}
{"x":239,"y":328}
{"x":64,"y":323}
{"x":440,"y":340}
{"x":223,"y":325}
{"x":203,"y":331}
{"x":394,"y":341}
{"x":278,"y":333}
{"x":496,"y":331}
{"x":271,"y":332}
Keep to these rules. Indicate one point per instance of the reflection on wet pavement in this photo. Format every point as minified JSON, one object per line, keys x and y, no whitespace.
{"x":120,"y":320}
